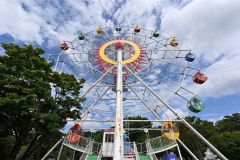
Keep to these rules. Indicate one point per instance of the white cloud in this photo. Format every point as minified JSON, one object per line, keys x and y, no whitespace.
{"x":224,"y":78}
{"x":27,"y":20}
{"x":19,"y":23}
{"x":212,"y":30}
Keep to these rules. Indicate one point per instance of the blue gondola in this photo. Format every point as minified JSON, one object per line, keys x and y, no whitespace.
{"x":128,"y":148}
{"x":169,"y":156}
{"x":190,"y":57}
{"x":118,"y":29}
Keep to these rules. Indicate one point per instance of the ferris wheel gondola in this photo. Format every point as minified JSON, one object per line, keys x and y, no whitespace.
{"x":75,"y":133}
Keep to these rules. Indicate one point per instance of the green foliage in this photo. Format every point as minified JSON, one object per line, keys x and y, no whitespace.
{"x":34,"y":101}
{"x":97,"y":136}
{"x":6,"y":142}
{"x":228,"y":143}
{"x":206,"y":128}
{"x":137,"y":136}
{"x":224,"y":136}
{"x":229,"y":123}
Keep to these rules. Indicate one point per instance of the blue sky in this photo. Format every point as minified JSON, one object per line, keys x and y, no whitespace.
{"x":210,"y":28}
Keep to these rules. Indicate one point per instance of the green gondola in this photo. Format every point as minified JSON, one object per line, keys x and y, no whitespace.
{"x":155,"y":33}
{"x":81,"y":36}
{"x":195,"y":105}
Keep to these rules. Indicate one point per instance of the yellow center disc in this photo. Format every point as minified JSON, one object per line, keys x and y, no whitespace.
{"x":132,"y":59}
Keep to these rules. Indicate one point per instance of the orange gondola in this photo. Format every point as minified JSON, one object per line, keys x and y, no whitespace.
{"x":200,"y":78}
{"x":75,"y":134}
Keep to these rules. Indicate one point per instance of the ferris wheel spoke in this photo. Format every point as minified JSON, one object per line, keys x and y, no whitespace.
{"x":153,"y":112}
{"x":99,"y":80}
{"x":89,"y":109}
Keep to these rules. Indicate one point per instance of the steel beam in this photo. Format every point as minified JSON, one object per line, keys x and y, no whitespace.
{"x":47,"y":154}
{"x":89,"y":109}
{"x":150,"y":109}
{"x":98,"y":81}
{"x":186,"y":148}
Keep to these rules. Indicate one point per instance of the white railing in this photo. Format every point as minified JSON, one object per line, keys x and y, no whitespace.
{"x":141,"y":147}
{"x":159,"y":144}
{"x":149,"y":149}
{"x":100,"y":154}
{"x":136,"y":151}
{"x":85,"y":145}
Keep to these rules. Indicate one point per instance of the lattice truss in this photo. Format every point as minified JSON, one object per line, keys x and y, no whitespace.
{"x":155,"y":59}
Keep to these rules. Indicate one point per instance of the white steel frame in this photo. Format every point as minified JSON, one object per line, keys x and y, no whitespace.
{"x":150,"y":48}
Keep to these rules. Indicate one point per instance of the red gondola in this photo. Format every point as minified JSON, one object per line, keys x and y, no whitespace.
{"x":119,"y":45}
{"x":137,"y":29}
{"x":200,"y":78}
{"x":75,"y":134}
{"x":64,"y":46}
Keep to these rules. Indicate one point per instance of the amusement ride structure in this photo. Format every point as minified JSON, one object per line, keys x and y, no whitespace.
{"x":129,"y":71}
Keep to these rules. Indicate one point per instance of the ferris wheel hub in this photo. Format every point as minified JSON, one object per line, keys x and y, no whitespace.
{"x":103,"y":51}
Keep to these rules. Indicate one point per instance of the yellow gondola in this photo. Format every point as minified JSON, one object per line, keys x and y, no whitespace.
{"x":100,"y":31}
{"x":170,"y":131}
{"x":174,"y":42}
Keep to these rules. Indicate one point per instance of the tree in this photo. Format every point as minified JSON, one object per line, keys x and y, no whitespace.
{"x":228,"y":144}
{"x":228,"y":141}
{"x":137,"y":136}
{"x":34,"y":101}
{"x":206,"y":128}
{"x":229,"y":123}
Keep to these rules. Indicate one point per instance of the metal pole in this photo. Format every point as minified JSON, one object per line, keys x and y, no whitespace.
{"x":99,"y":80}
{"x":73,"y":156}
{"x":55,"y":69}
{"x":60,"y":152}
{"x":188,"y":150}
{"x":183,"y":120}
{"x":47,"y":154}
{"x":179,"y":152}
{"x":153,"y":112}
{"x":89,"y":109}
{"x":118,"y":135}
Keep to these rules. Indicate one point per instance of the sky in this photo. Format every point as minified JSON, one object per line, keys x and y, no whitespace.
{"x":211,"y":29}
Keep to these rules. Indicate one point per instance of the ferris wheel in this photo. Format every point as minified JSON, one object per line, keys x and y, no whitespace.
{"x":131,"y":71}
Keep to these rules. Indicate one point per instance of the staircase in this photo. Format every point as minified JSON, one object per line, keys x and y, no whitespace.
{"x":130,"y":151}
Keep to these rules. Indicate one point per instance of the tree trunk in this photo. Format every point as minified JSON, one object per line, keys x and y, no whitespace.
{"x":27,"y":151}
{"x":33,"y":149}
{"x":16,"y":148}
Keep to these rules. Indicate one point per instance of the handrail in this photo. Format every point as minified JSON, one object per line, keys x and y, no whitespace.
{"x":159,"y":144}
{"x":136,"y":151}
{"x":100,"y":154}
